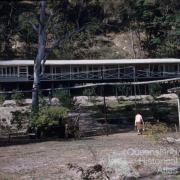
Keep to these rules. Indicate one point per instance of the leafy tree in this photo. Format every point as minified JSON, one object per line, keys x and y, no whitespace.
{"x":158,"y":19}
{"x":42,"y":28}
{"x":10,"y":28}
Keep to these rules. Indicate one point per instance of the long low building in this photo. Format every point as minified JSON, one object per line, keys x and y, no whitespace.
{"x":18,"y":74}
{"x":91,"y":70}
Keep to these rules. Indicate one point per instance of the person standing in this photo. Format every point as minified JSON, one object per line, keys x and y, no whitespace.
{"x":139,"y":123}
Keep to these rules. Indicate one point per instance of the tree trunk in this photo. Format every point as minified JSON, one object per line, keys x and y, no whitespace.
{"x":39,"y":57}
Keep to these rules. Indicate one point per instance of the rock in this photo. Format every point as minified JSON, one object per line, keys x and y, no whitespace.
{"x":55,"y":101}
{"x":178,"y":141}
{"x":170,"y":140}
{"x":8,"y":103}
{"x":83,"y":100}
{"x":168,"y":96}
{"x":27,"y":102}
{"x":46,"y":101}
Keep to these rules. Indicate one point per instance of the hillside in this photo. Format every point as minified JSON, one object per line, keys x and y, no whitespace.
{"x":114,"y":29}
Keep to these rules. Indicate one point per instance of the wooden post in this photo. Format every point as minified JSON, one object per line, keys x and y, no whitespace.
{"x":178,"y":95}
{"x":105,"y":107}
{"x":134,"y":78}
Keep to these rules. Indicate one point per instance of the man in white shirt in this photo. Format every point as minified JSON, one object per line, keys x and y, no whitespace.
{"x":139,"y":123}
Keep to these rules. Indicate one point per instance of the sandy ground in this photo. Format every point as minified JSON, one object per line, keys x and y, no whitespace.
{"x":125,"y":154}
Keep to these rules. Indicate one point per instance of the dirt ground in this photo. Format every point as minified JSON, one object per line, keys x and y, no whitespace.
{"x":123,"y":156}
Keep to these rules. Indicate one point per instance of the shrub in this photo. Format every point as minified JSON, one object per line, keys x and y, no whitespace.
{"x":40,"y":122}
{"x":19,"y":118}
{"x":154,"y":90}
{"x":122,"y":90}
{"x":96,"y":171}
{"x":18,"y":97}
{"x":91,"y":94}
{"x":156,"y":131}
{"x":65,"y":98}
{"x":48,"y":116}
{"x":42,"y":101}
{"x":2,"y":98}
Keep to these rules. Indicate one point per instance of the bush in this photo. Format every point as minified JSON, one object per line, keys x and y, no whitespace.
{"x":39,"y":123}
{"x":65,"y":98}
{"x":96,"y":171}
{"x":91,"y":94}
{"x":42,"y":102}
{"x":2,"y":98}
{"x":156,"y":131}
{"x":18,"y":97}
{"x":154,"y":90}
{"x":48,"y":116}
{"x":123,"y":90}
{"x":19,"y":118}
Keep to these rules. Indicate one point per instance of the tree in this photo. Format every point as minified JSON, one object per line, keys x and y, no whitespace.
{"x":158,"y":20}
{"x":40,"y":55}
{"x":43,"y":51}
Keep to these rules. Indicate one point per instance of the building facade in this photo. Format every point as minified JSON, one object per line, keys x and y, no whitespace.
{"x":88,"y":71}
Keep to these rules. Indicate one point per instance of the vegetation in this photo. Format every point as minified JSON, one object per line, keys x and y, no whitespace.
{"x":2,"y":98}
{"x":156,"y":131}
{"x":18,"y":97}
{"x":154,"y":90}
{"x":91,"y":94}
{"x":48,"y":116}
{"x":69,"y":29}
{"x":65,"y":98}
{"x":124,"y":90}
{"x":20,"y":118}
{"x":93,"y":172}
{"x":155,"y":23}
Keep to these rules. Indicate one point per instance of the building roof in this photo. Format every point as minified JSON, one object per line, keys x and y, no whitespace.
{"x":91,"y":62}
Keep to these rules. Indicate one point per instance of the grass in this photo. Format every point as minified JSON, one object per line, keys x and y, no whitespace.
{"x":156,"y":131}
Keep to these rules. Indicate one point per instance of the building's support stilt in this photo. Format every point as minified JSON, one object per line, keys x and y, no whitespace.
{"x":105,"y":107}
{"x":17,"y":86}
{"x":134,"y":77}
{"x":178,"y":99}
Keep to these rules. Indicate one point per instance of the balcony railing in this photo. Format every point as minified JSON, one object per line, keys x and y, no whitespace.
{"x":114,"y":74}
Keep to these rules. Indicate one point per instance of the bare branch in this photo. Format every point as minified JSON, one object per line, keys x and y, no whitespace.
{"x":59,"y":41}
{"x":79,"y":14}
{"x":56,"y":44}
{"x":52,"y":14}
{"x":34,"y":26}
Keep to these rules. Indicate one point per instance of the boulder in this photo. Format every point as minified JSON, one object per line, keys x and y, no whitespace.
{"x":27,"y":102}
{"x":170,"y":140}
{"x":55,"y":101}
{"x":178,"y":141}
{"x":8,"y":103}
